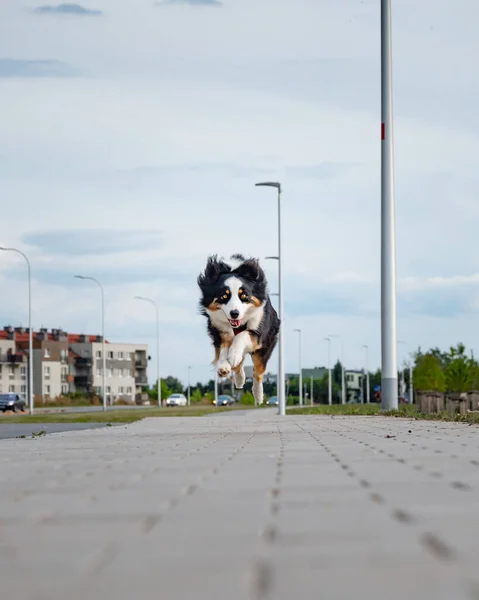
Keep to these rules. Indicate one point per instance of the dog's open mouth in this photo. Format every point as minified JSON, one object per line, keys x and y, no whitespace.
{"x":234,"y":323}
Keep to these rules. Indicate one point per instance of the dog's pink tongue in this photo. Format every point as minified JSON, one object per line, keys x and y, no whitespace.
{"x":235,"y":323}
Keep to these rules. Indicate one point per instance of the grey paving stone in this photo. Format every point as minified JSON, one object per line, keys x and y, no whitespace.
{"x":245,"y":506}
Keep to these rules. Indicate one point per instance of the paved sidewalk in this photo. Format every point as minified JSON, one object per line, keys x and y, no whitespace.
{"x":243,"y":507}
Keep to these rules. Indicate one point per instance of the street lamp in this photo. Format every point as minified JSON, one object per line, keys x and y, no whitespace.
{"x":30,"y":331}
{"x":411,"y":388}
{"x":343,"y":383}
{"x":102,"y":332}
{"x":367,"y":373}
{"x":189,"y":396}
{"x":280,"y":383}
{"x":330,"y":386}
{"x":300,"y":369}
{"x":279,"y":356}
{"x":158,"y":379}
{"x":389,"y":391}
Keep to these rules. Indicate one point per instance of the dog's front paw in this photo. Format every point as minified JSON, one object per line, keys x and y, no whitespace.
{"x":224,"y":369}
{"x":235,"y":357}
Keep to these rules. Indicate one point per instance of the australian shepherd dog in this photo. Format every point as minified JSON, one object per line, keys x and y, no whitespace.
{"x":241,"y":318}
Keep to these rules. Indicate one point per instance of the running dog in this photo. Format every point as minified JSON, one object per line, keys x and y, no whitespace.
{"x":241,"y":318}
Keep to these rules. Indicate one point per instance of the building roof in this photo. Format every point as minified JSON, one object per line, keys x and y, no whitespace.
{"x":23,"y":336}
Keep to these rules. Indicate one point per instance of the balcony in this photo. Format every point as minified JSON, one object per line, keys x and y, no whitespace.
{"x":15,"y":358}
{"x":84,"y":361}
{"x":83,"y":380}
{"x":141,"y":379}
{"x":141,"y":363}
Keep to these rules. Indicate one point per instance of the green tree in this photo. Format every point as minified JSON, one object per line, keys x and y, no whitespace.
{"x":428,"y":374}
{"x":196,"y":396}
{"x":461,"y":370}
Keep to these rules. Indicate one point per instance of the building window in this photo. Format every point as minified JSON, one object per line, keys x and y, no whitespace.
{"x":121,"y":390}
{"x":98,"y":390}
{"x":24,"y":389}
{"x":46,"y":353}
{"x":128,"y":390}
{"x":98,"y":354}
{"x":126,"y":372}
{"x":23,"y":371}
{"x":11,"y":388}
{"x":46,"y":372}
{"x":121,"y":355}
{"x":64,"y":389}
{"x":110,"y":355}
{"x":108,"y":389}
{"x":11,"y":372}
{"x":47,"y":390}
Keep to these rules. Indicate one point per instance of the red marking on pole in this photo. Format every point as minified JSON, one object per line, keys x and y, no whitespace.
{"x":383,"y":131}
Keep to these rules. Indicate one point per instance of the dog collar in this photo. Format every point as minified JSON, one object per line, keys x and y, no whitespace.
{"x":239,"y":329}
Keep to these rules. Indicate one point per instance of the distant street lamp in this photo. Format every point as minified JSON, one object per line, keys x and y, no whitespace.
{"x":189,"y":395}
{"x":280,"y":383}
{"x":102,"y":332}
{"x":343,"y":382}
{"x":158,"y":378}
{"x":367,"y":374}
{"x":30,"y":331}
{"x":300,"y":369}
{"x":411,"y":387}
{"x":330,"y":386}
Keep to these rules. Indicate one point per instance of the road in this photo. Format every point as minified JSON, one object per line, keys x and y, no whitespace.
{"x":14,"y":430}
{"x":244,"y":507}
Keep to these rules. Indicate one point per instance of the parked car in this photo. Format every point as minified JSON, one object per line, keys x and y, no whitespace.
{"x":176,"y":400}
{"x":224,"y":400}
{"x":11,"y":402}
{"x":273,"y":401}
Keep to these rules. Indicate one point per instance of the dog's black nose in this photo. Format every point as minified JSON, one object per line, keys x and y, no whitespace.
{"x":234,"y":314}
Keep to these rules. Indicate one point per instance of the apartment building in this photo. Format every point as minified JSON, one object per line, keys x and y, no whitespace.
{"x":126,"y":367}
{"x":354,"y":385}
{"x":66,"y":363}
{"x":13,"y":366}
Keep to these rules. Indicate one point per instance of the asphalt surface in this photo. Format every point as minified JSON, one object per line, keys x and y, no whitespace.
{"x":14,"y":430}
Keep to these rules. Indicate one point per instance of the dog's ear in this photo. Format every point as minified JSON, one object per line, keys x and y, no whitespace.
{"x":214,"y":268}
{"x":251,"y":270}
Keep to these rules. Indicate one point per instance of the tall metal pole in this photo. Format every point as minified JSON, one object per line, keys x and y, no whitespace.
{"x":389,"y":384}
{"x":368,"y":399}
{"x":102,"y":332}
{"x":330,"y":385}
{"x":158,"y":378}
{"x":312,"y":399}
{"x":300,"y":367}
{"x":30,"y":330}
{"x":343,"y":383}
{"x":281,"y":382}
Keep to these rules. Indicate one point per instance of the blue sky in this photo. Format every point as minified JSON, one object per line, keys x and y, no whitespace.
{"x":133,"y":133}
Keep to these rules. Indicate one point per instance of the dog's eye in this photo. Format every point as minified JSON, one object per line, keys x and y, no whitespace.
{"x":243,"y":297}
{"x":224,"y":297}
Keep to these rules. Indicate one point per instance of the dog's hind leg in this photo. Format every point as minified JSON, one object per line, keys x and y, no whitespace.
{"x":259,"y":369}
{"x":239,"y":376}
